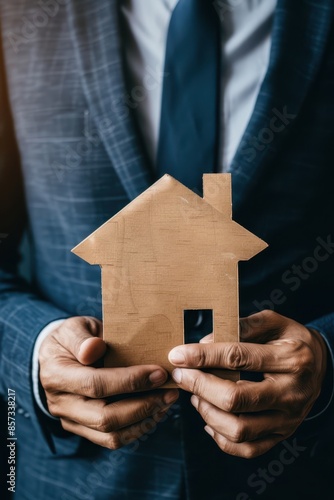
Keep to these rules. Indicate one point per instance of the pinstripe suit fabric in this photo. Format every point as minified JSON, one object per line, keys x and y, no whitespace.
{"x":83,"y":160}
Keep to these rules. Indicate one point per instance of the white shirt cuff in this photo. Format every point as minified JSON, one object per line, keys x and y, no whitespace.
{"x":35,"y":364}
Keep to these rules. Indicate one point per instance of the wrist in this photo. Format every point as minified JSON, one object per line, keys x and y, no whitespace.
{"x":38,"y":390}
{"x":320,"y":350}
{"x":325,"y":398}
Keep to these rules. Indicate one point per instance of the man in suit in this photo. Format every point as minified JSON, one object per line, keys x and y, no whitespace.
{"x":92,"y":131}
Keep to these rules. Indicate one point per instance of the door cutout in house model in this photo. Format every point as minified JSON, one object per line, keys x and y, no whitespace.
{"x":197,"y":323}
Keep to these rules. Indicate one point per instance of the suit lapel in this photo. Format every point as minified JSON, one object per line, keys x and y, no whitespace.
{"x":97,"y":40}
{"x":300,"y":32}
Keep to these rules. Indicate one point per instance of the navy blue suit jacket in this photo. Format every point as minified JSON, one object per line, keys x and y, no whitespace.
{"x":82,"y":160}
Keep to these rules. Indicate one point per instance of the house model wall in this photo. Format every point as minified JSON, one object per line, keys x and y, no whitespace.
{"x":168,"y":251}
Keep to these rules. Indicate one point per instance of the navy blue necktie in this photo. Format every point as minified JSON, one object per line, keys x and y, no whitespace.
{"x":189,"y":125}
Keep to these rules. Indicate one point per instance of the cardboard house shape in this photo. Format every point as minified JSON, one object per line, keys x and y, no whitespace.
{"x":166,"y":252}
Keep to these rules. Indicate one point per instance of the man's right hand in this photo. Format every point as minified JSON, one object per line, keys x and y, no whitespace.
{"x":77,"y":392}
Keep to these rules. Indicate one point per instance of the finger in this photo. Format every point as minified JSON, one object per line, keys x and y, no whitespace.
{"x":207,"y":339}
{"x":243,"y":427}
{"x":80,"y":337}
{"x":235,"y":356}
{"x":99,"y":383}
{"x":244,"y":450}
{"x":117,"y":439}
{"x":107,"y":417}
{"x":235,"y":397}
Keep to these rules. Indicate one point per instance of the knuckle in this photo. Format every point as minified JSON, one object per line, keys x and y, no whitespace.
{"x":231,"y":401}
{"x":268,"y":314}
{"x":239,"y":433}
{"x":106,"y":423}
{"x":250,"y":452}
{"x":290,"y":427}
{"x":64,"y":424}
{"x":113,"y":441}
{"x":47,"y":380}
{"x":48,"y":351}
{"x":289,"y":400}
{"x":197,"y":355}
{"x":51,"y":377}
{"x":235,"y":357}
{"x":93,"y":387}
{"x":255,"y":399}
{"x":196,"y":385}
{"x":247,"y":450}
{"x":149,"y":407}
{"x":102,"y":426}
{"x":73,"y":323}
{"x":226,"y":446}
{"x":44,"y":350}
{"x":54,"y":409}
{"x":302,"y":359}
{"x":91,"y":324}
{"x":295,"y":346}
{"x":252,"y":322}
{"x":79,"y":324}
{"x":204,"y":410}
{"x":307,"y":360}
{"x":134,"y":383}
{"x":300,"y":400}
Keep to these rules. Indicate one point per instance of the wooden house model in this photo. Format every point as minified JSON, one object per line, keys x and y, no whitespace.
{"x":166,"y":252}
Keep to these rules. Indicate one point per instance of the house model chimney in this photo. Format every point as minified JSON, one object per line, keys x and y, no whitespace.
{"x":217,"y":191}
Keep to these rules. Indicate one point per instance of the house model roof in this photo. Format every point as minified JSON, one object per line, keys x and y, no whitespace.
{"x":171,"y":212}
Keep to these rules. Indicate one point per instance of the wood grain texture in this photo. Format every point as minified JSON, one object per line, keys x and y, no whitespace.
{"x":167,"y":251}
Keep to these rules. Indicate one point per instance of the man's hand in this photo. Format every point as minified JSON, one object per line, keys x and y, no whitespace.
{"x":246,"y":418}
{"x":76,"y":392}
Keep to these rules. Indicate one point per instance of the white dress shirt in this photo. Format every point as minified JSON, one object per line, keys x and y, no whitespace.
{"x":246,"y":26}
{"x":246,"y":41}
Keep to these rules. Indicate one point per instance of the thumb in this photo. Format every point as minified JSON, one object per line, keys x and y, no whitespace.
{"x":262,"y":327}
{"x":81,"y":336}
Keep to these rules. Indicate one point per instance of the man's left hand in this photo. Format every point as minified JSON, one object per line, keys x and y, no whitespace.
{"x":247,"y":418}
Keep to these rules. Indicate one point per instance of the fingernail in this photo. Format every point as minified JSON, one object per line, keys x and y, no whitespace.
{"x":209,"y":430}
{"x":177,"y":356}
{"x":170,"y":397}
{"x":157,"y":377}
{"x":194,"y":401}
{"x":177,"y":375}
